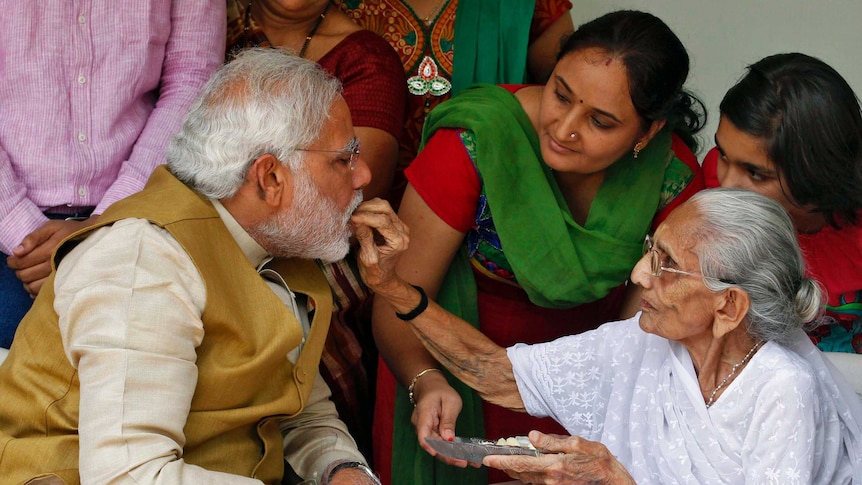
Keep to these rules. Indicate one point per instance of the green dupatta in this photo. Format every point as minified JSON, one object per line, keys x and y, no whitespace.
{"x":492,"y":37}
{"x":566,"y":266}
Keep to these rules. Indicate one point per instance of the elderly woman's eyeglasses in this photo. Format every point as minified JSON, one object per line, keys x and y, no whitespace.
{"x":656,"y":267}
{"x":349,"y":156}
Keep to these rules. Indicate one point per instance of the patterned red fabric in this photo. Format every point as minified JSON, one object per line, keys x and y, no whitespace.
{"x":348,"y":363}
{"x":373,"y":81}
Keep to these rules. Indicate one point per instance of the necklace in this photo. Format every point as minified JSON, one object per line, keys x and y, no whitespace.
{"x":313,"y":30}
{"x":428,"y":19}
{"x":246,"y":27}
{"x":732,"y":372}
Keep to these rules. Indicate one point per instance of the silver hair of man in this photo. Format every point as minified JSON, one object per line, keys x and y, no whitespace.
{"x":749,"y":240}
{"x":265,"y":101}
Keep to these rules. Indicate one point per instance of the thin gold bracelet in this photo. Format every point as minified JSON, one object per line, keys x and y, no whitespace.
{"x":416,"y":378}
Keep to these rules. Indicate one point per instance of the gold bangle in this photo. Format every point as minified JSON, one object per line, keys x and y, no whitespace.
{"x":413,"y":383}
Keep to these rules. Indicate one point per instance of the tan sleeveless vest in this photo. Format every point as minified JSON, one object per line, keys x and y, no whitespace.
{"x":246,"y":384}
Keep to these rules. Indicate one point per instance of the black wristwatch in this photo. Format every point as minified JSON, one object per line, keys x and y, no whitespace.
{"x":353,"y":464}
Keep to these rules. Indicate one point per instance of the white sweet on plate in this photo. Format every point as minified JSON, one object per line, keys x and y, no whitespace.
{"x":519,"y":441}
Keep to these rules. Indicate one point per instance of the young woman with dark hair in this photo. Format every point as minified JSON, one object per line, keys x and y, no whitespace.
{"x":791,"y":129}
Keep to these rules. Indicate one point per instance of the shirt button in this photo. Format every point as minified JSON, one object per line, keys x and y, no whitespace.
{"x":81,"y":79}
{"x":82,"y":19}
{"x":82,"y":192}
{"x":82,"y":137}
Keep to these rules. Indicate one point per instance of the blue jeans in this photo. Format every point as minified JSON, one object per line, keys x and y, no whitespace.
{"x":14,"y":302}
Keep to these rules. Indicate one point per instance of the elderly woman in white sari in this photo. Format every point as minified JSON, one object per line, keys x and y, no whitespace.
{"x":713,"y":381}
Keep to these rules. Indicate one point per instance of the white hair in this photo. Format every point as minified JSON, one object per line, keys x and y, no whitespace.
{"x":265,"y":101}
{"x":747,"y":240}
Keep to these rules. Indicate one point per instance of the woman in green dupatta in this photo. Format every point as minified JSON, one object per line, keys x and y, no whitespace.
{"x":447,"y":45}
{"x":528,"y":208}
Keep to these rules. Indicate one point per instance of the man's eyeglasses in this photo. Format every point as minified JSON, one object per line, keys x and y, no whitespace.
{"x":656,"y":268}
{"x":349,"y":156}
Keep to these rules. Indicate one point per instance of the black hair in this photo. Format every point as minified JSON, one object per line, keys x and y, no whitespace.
{"x":811,"y":125}
{"x":656,"y":63}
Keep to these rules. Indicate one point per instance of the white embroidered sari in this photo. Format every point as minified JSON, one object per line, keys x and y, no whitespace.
{"x":784,"y":419}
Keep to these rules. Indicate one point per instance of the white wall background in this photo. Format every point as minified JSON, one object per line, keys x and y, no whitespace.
{"x":724,"y":36}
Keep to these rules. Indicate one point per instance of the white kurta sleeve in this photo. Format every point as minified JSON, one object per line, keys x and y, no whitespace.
{"x":130,"y":302}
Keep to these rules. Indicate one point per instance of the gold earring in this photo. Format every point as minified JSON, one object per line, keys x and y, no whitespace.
{"x":638,"y":148}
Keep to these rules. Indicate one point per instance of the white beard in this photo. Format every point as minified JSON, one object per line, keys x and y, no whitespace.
{"x":313,"y":228}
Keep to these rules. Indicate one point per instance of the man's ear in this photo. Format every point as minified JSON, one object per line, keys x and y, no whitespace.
{"x":731,"y":309}
{"x":272,"y":180}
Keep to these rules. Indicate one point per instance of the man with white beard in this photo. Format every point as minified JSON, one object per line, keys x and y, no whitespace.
{"x":168,"y":346}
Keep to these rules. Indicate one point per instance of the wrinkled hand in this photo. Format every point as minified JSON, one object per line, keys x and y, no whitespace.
{"x":577,"y":461}
{"x":437,"y":409}
{"x":31,"y":260}
{"x":382,"y":238}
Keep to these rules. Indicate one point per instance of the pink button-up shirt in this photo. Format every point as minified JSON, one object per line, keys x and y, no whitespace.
{"x":90,"y":93}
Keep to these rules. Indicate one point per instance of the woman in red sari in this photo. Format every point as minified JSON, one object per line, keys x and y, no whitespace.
{"x":446,"y":45}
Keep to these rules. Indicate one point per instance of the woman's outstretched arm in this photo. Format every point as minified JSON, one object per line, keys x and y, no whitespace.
{"x":462,"y":349}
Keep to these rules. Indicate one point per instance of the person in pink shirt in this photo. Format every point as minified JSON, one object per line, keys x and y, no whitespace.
{"x":92,"y":92}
